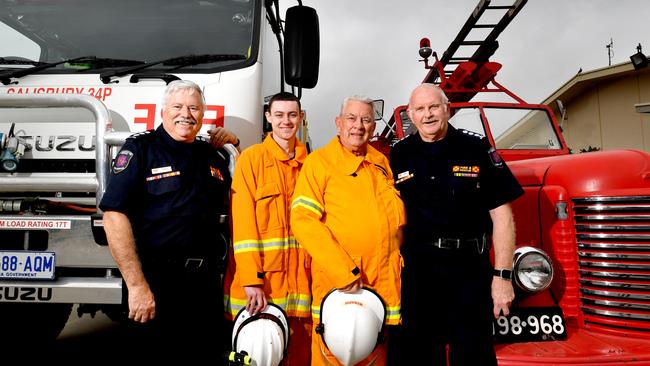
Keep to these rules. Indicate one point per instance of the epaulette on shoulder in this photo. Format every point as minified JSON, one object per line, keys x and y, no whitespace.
{"x":204,"y":143}
{"x":476,"y":135}
{"x":139,"y":135}
{"x":406,"y":139}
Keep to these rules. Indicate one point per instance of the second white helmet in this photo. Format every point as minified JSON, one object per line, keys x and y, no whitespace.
{"x":351,"y":324}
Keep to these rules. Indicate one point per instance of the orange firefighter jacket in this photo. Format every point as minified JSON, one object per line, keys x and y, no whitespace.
{"x":348,"y":215}
{"x":264,"y":250}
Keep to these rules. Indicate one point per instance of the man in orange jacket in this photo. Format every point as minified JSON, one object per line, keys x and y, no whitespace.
{"x":348,"y":215}
{"x":268,"y":264}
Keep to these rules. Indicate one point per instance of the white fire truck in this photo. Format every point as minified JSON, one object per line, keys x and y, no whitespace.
{"x":76,"y":78}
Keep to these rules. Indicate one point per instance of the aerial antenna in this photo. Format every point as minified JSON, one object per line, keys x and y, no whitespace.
{"x":610,"y":50}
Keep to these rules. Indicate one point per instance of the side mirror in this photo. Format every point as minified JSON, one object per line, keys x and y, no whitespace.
{"x":301,"y":47}
{"x":378,"y":106}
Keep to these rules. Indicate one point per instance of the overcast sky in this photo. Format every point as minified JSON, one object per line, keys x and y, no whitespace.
{"x":370,"y":47}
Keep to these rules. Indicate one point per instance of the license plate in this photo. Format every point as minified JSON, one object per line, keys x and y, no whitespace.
{"x":530,"y":325}
{"x":26,"y":265}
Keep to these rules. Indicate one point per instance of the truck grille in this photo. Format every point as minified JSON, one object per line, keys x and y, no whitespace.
{"x":613,"y":236}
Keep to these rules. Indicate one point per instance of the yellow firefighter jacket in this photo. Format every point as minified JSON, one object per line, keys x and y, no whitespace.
{"x":348,"y":215}
{"x":264,"y":250}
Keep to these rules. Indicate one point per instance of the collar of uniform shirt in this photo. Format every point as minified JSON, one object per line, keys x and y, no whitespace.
{"x":349,"y":162}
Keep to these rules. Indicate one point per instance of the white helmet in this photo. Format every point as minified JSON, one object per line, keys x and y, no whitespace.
{"x":263,"y":336}
{"x":351,"y":324}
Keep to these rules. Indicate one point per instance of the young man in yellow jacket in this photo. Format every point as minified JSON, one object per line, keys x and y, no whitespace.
{"x":268,"y":264}
{"x":348,"y":215}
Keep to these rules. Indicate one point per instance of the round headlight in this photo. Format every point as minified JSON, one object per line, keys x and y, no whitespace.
{"x":533,"y":270}
{"x":8,"y":161}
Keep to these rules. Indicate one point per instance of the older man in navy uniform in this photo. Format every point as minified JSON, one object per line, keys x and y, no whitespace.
{"x":164,"y":218}
{"x":456,"y":190}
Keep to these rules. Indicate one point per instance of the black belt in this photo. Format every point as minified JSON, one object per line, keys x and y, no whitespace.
{"x":478,"y":244}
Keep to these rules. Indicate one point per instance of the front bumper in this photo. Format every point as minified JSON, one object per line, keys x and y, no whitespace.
{"x":73,"y":290}
{"x":582,"y":347}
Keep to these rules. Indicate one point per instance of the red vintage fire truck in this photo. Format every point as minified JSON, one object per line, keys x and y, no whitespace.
{"x":582,"y":264}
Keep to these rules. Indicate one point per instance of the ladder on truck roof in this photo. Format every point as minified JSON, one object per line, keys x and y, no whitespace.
{"x":485,"y":47}
{"x":469,"y":79}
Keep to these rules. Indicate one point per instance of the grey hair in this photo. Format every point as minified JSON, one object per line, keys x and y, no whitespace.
{"x":431,"y":87}
{"x":178,"y":85}
{"x":358,"y":98}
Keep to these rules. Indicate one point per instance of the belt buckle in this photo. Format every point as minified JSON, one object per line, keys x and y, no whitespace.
{"x":193,"y":263}
{"x":445,"y":243}
{"x":438,"y":244}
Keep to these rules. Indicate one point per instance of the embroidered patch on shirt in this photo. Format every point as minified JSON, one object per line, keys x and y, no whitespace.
{"x":465,"y":170}
{"x":122,"y":161}
{"x":216,"y":173}
{"x":165,"y":169}
{"x":165,"y":175}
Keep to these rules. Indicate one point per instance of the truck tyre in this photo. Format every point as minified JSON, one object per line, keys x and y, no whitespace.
{"x":38,"y":323}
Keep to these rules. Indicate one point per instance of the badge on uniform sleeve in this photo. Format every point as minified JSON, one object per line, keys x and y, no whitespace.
{"x":495,"y":158}
{"x":122,"y":161}
{"x":216,"y":173}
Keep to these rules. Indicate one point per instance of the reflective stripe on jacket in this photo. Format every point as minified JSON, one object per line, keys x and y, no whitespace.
{"x":348,"y":215}
{"x":264,"y":251}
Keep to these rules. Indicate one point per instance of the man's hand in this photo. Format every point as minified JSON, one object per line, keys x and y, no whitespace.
{"x":219,"y":136}
{"x":502,"y":296}
{"x":142,"y":305}
{"x":352,"y":288}
{"x":255,"y":299}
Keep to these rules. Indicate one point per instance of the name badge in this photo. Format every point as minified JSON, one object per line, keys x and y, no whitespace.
{"x":165,"y":169}
{"x":403,"y":176}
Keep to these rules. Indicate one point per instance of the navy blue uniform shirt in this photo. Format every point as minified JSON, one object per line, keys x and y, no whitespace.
{"x":449,"y":186}
{"x":172,"y":192}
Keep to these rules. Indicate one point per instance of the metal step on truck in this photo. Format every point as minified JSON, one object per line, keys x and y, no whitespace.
{"x":75,"y":80}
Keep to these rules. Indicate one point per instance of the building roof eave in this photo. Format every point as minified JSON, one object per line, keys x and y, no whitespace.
{"x":584,"y":80}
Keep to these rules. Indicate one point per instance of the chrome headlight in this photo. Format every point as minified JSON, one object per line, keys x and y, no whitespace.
{"x":532,"y":270}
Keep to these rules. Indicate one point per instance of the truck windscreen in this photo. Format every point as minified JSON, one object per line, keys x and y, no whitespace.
{"x":137,"y":31}
{"x":511,"y":128}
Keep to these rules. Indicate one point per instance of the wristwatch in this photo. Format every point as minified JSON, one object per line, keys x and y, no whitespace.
{"x":506,"y":274}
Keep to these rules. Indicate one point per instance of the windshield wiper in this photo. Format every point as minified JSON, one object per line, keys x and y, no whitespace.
{"x":16,"y":61}
{"x":5,"y":77}
{"x":179,"y":62}
{"x":103,"y":63}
